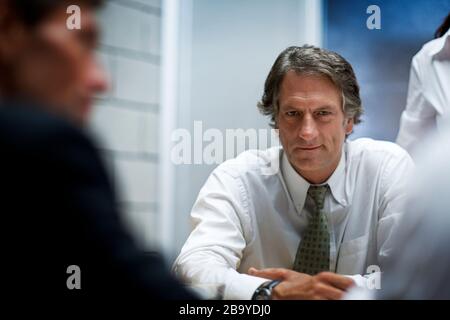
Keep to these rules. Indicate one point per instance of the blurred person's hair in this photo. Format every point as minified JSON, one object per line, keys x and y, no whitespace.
{"x":310,"y":60}
{"x":443,"y":28}
{"x":31,"y":12}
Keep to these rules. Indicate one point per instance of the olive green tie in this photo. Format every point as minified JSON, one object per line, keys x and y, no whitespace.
{"x":313,"y":253}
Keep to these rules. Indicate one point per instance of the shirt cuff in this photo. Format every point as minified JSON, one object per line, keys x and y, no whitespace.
{"x":369,"y":281}
{"x":242,"y":287}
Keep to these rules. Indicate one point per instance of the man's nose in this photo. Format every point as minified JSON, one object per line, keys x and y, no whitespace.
{"x":98,"y":80}
{"x":308,"y":128}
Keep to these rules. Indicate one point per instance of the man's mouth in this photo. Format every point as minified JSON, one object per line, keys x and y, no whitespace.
{"x":309,"y":148}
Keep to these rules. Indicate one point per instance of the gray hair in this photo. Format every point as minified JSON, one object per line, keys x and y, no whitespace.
{"x":312,"y":60}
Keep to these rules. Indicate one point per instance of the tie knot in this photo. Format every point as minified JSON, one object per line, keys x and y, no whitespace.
{"x":317,"y":193}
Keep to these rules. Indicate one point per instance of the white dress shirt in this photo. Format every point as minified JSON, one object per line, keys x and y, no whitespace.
{"x":428,"y":103}
{"x":245,"y":218}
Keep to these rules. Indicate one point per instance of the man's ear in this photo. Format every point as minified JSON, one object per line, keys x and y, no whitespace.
{"x":348,"y":126}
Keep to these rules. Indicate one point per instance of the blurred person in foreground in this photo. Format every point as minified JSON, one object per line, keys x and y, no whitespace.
{"x":421,"y":270}
{"x":422,"y":243}
{"x":428,"y":104}
{"x":59,"y":213}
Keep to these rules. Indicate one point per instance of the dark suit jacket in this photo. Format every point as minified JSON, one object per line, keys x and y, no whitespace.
{"x":58,"y":209}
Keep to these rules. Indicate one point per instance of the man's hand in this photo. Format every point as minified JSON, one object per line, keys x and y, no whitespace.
{"x":301,"y":286}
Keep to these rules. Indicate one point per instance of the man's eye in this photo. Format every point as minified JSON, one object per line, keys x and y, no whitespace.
{"x":323,"y":113}
{"x":291,"y":113}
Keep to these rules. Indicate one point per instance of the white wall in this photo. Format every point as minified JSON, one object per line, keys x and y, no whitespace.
{"x":126,"y":119}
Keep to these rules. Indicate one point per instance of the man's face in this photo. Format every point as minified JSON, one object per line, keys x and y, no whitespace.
{"x":311,"y":124}
{"x":56,"y":67}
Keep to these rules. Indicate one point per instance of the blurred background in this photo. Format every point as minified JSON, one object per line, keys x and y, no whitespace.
{"x":173,"y":62}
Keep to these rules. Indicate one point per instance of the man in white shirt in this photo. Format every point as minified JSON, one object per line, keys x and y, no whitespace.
{"x":428,"y":103}
{"x":319,"y":223}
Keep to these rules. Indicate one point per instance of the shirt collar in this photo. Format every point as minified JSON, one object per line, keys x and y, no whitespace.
{"x":337,"y":180}
{"x":298,"y":187}
{"x":442,"y":48}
